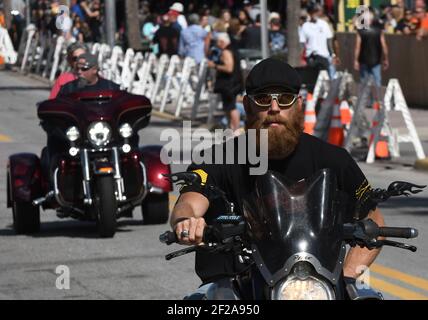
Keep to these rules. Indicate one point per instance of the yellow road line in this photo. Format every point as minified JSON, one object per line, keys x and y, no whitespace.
{"x":4,"y":138}
{"x":395,"y":290}
{"x":400,"y":276}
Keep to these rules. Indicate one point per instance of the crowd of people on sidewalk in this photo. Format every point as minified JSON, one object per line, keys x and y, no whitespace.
{"x":404,"y":17}
{"x":183,"y":27}
{"x":224,"y":31}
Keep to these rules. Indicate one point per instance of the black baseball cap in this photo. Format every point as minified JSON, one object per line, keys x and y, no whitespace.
{"x":272,"y":72}
{"x":90,"y":60}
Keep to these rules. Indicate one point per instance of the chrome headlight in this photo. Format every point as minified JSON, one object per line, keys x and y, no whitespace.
{"x":125,"y":130}
{"x":72,"y":134}
{"x":99,"y":134}
{"x":301,"y":285}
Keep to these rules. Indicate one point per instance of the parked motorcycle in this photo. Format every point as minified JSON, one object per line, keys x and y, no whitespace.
{"x":101,"y":175}
{"x":292,"y":240}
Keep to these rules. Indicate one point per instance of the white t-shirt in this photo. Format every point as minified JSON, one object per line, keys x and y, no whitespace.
{"x":314,"y":36}
{"x":182,"y":21}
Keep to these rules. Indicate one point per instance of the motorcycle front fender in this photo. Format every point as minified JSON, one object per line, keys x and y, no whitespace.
{"x":103,"y":169}
{"x":156,"y":168}
{"x":24,"y":178}
{"x":364,"y":293}
{"x":222,"y":289}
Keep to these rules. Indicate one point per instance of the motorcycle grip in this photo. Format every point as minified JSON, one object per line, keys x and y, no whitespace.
{"x":170,"y":237}
{"x":398,"y":232}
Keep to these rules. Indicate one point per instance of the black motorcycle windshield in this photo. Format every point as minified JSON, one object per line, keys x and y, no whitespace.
{"x":287,"y":218}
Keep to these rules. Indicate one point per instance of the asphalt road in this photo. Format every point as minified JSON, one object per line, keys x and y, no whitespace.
{"x":132,"y":265}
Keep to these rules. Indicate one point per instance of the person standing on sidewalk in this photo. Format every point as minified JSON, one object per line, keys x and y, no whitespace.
{"x":316,"y":38}
{"x":371,"y":51}
{"x":194,"y":40}
{"x":228,"y":81}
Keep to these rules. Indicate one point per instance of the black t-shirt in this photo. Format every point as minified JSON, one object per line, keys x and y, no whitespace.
{"x":251,"y":38}
{"x":311,"y":155}
{"x":371,"y":46}
{"x":167,"y":37}
{"x":79,"y":86}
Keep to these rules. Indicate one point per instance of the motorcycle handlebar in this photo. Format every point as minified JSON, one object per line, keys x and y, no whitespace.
{"x":170,"y":237}
{"x":372,"y":230}
{"x":398,"y":232}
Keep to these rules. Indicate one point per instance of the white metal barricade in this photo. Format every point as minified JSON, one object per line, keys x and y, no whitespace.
{"x":136,"y":62}
{"x":125,"y":76}
{"x":103,"y":55}
{"x":173,"y":64}
{"x":185,"y":92}
{"x":145,"y":80}
{"x":56,"y":57}
{"x":31,"y":31}
{"x":6,"y":47}
{"x":394,"y":95}
{"x":95,"y":48}
{"x":160,"y":76}
{"x":112,"y":71}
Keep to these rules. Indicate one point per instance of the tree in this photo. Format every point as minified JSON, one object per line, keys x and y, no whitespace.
{"x":293,"y":15}
{"x":133,"y":25}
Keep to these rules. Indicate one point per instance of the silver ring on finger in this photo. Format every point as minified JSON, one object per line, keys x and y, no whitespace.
{"x":184,"y":233}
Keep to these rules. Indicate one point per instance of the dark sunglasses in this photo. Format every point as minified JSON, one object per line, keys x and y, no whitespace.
{"x":265,"y":99}
{"x":83,"y":68}
{"x":74,"y":58}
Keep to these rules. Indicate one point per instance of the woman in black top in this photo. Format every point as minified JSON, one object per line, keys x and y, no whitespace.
{"x":228,"y":78}
{"x":94,"y":19}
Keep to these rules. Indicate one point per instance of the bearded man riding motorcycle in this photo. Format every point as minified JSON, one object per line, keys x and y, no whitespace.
{"x":272,"y":102}
{"x":88,"y":79}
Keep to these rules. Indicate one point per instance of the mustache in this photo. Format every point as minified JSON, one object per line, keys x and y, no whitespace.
{"x":275,"y":118}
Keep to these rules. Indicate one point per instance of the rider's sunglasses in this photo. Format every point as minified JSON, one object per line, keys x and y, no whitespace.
{"x":264,"y":100}
{"x":83,"y":68}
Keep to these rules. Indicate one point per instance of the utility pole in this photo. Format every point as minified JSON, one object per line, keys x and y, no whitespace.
{"x":264,"y":29}
{"x":27,"y":12}
{"x":133,"y":25}
{"x":7,"y":7}
{"x":110,"y":6}
{"x":293,"y":15}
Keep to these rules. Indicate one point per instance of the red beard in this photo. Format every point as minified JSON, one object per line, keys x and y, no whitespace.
{"x":282,"y":139}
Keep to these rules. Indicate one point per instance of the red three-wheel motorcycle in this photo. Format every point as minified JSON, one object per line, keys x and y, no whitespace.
{"x":101,"y":174}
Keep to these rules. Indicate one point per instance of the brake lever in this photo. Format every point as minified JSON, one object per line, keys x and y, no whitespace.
{"x":180,"y":252}
{"x":211,"y":246}
{"x":398,"y":245}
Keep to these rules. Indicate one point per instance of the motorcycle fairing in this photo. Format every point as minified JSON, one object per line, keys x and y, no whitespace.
{"x":291,"y":222}
{"x":81,"y":109}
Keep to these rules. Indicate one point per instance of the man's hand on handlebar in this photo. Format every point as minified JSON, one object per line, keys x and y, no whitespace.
{"x":190,"y":231}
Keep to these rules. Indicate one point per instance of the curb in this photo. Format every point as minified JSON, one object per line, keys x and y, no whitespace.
{"x":421,"y":164}
{"x":165,"y":116}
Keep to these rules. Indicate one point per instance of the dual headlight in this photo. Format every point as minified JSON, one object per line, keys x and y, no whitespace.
{"x":99,"y":133}
{"x":303,"y":285}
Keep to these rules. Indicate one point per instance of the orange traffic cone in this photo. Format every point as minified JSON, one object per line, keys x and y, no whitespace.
{"x":345,"y":113}
{"x":381,"y":149}
{"x":310,"y":115}
{"x":335,"y":134}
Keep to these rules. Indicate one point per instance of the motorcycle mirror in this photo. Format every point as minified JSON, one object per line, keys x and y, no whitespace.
{"x":396,"y":188}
